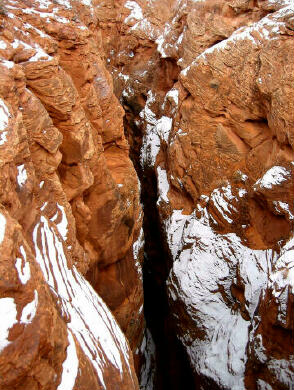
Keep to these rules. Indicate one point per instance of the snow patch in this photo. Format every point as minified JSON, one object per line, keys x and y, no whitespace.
{"x":23,"y":267}
{"x":123,"y":76}
{"x":137,"y":246}
{"x":151,"y":140}
{"x":147,"y":373}
{"x":7,"y":64}
{"x":128,"y":92}
{"x":174,"y":227}
{"x":29,"y":311}
{"x":283,"y":271}
{"x":163,"y":127}
{"x":163,"y":185}
{"x":40,"y":55}
{"x":44,"y":4}
{"x":156,"y":130}
{"x":28,"y":26}
{"x":222,"y":199}
{"x":160,"y":41}
{"x":21,"y":175}
{"x":2,"y":227}
{"x":281,"y":370}
{"x":284,"y":207}
{"x":64,"y":3}
{"x":136,"y":11}
{"x":268,"y":27}
{"x":242,"y":192}
{"x":173,"y":95}
{"x":47,"y":15}
{"x":261,"y":385}
{"x":204,"y":268}
{"x":89,"y":319}
{"x":63,"y":224}
{"x":87,"y":3}
{"x":70,"y":365}
{"x":275,"y":176}
{"x":3,"y":45}
{"x":8,"y":319}
{"x":146,"y":27}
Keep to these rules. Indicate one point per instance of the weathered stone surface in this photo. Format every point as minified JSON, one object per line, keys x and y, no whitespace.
{"x":219,"y":135}
{"x":208,"y":92}
{"x":69,"y":204}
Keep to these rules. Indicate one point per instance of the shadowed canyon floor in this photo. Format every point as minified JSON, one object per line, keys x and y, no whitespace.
{"x":146,"y":167}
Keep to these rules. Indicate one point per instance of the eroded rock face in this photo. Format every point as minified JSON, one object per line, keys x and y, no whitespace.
{"x":70,"y":206}
{"x":209,"y":101}
{"x":57,"y":332}
{"x":207,"y":91}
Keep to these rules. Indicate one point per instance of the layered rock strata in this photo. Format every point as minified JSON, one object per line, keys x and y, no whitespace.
{"x":208,"y":93}
{"x":70,"y":209}
{"x":208,"y":90}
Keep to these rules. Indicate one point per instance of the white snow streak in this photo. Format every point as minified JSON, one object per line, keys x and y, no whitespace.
{"x":163,"y":185}
{"x":8,"y":319}
{"x":136,"y":11}
{"x":90,"y":321}
{"x":70,"y":365}
{"x":273,"y":177}
{"x":23,"y":267}
{"x":21,"y":175}
{"x":29,"y":311}
{"x":2,"y":227}
{"x":63,"y":224}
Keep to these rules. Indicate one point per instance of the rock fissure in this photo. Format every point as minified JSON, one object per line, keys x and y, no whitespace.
{"x":172,"y":369}
{"x":209,"y":140}
{"x":199,"y":95}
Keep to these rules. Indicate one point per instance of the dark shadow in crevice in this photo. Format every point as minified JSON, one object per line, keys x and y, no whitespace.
{"x":173,"y":369}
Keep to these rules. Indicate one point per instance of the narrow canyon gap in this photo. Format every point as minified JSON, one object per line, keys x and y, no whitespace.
{"x":146,"y":194}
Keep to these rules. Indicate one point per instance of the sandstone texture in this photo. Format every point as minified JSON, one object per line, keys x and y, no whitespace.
{"x":200,"y":95}
{"x":70,"y":219}
{"x":208,"y":93}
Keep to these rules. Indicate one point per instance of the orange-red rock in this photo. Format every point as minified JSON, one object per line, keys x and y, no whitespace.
{"x":208,"y":92}
{"x":209,"y":97}
{"x":70,"y":206}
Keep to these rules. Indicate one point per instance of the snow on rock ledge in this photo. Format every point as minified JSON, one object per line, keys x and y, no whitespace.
{"x":90,"y":320}
{"x":207,"y":269}
{"x":217,"y":285}
{"x":156,"y":131}
{"x":55,"y":309}
{"x":228,"y":117}
{"x":273,"y":177}
{"x":200,"y":280}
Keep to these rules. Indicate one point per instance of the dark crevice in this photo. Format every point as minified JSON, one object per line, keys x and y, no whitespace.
{"x":259,"y":120}
{"x":173,"y":371}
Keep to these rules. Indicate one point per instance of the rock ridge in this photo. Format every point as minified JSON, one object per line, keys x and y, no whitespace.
{"x":70,"y":208}
{"x":208,"y":101}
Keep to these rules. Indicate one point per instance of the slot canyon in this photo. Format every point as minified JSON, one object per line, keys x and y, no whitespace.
{"x":146,"y":194}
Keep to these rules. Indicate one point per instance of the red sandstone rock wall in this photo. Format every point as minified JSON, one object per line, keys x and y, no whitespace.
{"x":208,"y":90}
{"x":208,"y":93}
{"x":70,"y":207}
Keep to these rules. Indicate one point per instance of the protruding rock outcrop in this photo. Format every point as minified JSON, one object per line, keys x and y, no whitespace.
{"x":56,"y":331}
{"x":207,"y":87}
{"x":70,"y":206}
{"x":209,"y":105}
